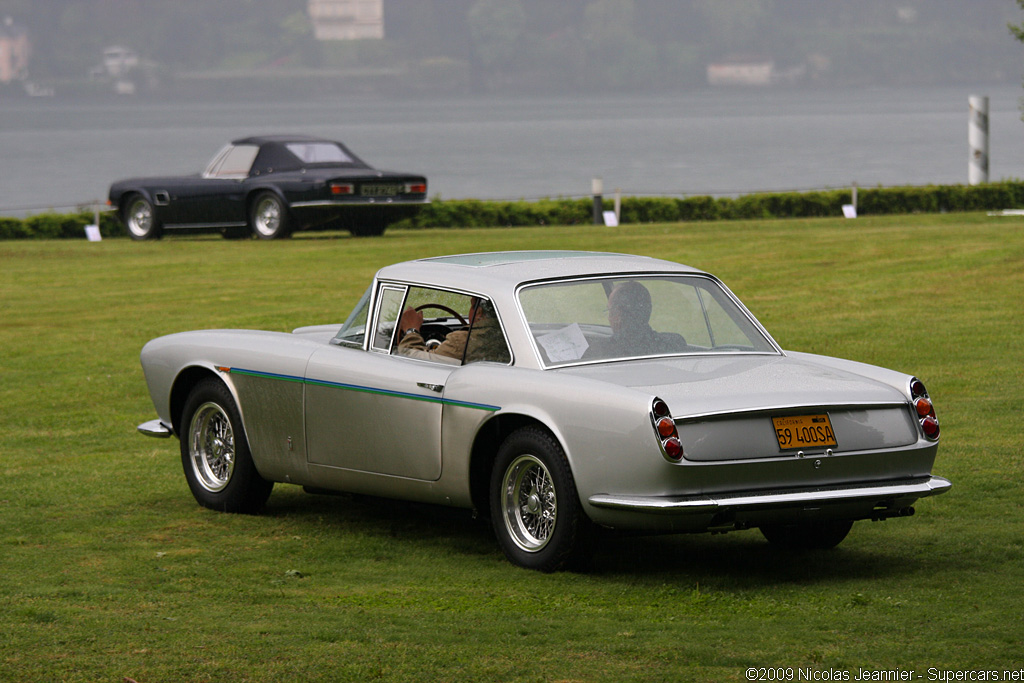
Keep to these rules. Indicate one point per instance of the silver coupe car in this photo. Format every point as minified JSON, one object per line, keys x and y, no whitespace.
{"x":562,"y":394}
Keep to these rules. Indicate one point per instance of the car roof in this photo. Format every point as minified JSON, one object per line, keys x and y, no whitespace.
{"x":278,"y":139}
{"x":505,"y":269}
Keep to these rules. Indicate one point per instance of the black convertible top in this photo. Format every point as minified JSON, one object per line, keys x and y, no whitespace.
{"x":274,"y":155}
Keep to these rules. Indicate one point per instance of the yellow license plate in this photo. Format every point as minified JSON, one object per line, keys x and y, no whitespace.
{"x":804,"y":431}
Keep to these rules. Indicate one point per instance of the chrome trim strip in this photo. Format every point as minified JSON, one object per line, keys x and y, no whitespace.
{"x":785,"y":407}
{"x":374,"y":202}
{"x":199,"y":226}
{"x":683,"y":505}
{"x":155,"y":428}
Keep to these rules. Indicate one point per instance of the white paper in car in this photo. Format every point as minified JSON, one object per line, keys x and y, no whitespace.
{"x":567,"y":344}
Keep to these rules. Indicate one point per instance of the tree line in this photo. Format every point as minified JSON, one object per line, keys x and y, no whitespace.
{"x":544,"y":45}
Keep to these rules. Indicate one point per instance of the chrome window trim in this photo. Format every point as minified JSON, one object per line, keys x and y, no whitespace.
{"x":377,"y":302}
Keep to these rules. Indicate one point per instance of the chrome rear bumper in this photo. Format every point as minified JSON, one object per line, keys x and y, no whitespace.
{"x":880,"y":494}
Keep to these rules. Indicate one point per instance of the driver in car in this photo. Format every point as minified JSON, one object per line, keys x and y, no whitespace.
{"x":482,"y":340}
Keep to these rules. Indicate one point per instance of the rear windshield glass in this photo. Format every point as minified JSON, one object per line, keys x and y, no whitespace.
{"x":622,"y":318}
{"x":319,"y":153}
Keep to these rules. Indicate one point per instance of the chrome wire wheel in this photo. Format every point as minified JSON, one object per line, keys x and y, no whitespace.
{"x":529,"y":503}
{"x":268,"y":216}
{"x":139,"y":218}
{"x":212,"y":447}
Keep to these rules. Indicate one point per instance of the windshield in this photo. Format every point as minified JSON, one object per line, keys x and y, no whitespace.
{"x":353,"y":331}
{"x":637,"y":317}
{"x":232,"y":162}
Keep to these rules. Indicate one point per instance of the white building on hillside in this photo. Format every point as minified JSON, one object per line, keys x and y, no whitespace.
{"x":347,"y":19}
{"x":14,"y":52}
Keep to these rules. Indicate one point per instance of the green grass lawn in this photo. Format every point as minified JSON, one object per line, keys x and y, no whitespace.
{"x":110,"y":571}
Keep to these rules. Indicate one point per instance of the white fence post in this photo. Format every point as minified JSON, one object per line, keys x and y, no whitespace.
{"x":977,"y":138}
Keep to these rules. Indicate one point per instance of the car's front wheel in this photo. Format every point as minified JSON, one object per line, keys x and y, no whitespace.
{"x":535,"y":509}
{"x":820,"y":535}
{"x":215,"y":453}
{"x":140,"y":218}
{"x":268,"y":216}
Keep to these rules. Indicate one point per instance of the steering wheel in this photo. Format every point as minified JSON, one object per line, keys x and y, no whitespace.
{"x":446,"y":310}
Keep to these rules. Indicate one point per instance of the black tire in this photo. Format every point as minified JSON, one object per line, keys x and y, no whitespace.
{"x":239,"y":233}
{"x":535,"y":509}
{"x":367,"y":229}
{"x":140,"y":219}
{"x":268,"y":217}
{"x":368,"y":222}
{"x":215,"y":453}
{"x":809,"y":535}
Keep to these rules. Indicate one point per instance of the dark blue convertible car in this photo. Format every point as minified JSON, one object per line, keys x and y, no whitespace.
{"x":270,"y":186}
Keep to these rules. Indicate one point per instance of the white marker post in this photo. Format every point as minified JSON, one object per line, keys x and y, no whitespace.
{"x":977,"y":138}
{"x":92,"y":232}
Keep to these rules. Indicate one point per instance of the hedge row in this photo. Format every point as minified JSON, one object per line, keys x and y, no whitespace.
{"x":58,"y":226}
{"x":870,"y":201}
{"x":478,"y":213}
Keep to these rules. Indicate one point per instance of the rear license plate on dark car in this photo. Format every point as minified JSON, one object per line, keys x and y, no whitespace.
{"x":379,"y":190}
{"x":804,"y":431}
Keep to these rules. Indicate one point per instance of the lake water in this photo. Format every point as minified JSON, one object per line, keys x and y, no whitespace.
{"x":59,"y":154}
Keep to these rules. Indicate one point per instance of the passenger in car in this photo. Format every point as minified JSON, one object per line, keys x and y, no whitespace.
{"x":629,"y":315}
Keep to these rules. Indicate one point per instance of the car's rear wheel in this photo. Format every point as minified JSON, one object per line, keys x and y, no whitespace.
{"x":368,"y":222}
{"x":371,"y":229}
{"x":820,"y":535}
{"x":268,"y":216}
{"x":535,"y":509}
{"x":215,"y":452}
{"x":140,"y":218}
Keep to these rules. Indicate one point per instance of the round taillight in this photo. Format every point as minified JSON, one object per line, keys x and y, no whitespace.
{"x":924,"y":407}
{"x":666,"y":427}
{"x":930,"y":427}
{"x":660,"y":408}
{"x":917,"y":388}
{"x":673,"y":448}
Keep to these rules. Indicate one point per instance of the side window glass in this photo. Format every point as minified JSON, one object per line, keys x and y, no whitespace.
{"x":389,"y":308}
{"x":486,"y":338}
{"x":455,"y":328}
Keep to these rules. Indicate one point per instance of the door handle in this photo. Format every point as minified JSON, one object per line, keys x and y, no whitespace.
{"x":432,"y":387}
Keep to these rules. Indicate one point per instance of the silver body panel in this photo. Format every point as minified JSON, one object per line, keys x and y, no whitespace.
{"x":350,"y":419}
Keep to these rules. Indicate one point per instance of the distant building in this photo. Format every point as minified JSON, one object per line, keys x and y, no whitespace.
{"x":742,"y":71}
{"x":14,"y":52}
{"x":347,"y":19}
{"x":118,"y":61}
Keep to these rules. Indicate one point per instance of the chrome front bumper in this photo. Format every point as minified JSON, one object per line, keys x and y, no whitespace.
{"x":880,"y":495}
